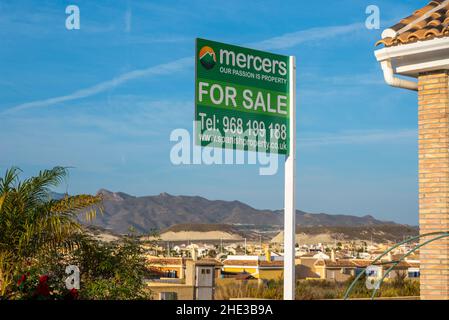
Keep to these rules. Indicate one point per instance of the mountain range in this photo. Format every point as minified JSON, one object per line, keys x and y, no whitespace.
{"x":148,"y":213}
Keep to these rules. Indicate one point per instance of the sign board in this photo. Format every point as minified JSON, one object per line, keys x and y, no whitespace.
{"x":242,"y":98}
{"x":246,"y":99}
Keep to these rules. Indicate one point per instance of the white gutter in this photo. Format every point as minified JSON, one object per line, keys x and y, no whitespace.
{"x":420,"y":47}
{"x":386,"y":55}
{"x":395,"y":81}
{"x":412,"y":59}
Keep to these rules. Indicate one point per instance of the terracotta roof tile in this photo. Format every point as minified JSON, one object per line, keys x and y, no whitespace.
{"x":362,"y":263}
{"x":421,"y":25}
{"x":179,"y":261}
{"x":252,"y":263}
{"x":400,"y":255}
{"x":208,"y":262}
{"x":343,"y":263}
{"x":266,"y":264}
{"x":359,"y":263}
{"x":165,"y":261}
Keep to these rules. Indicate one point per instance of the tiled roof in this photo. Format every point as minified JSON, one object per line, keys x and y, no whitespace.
{"x":400,"y":255}
{"x":347,"y":263}
{"x":207,"y":262}
{"x":359,"y":263}
{"x":402,"y":265}
{"x":266,"y":264}
{"x":426,"y":23}
{"x":252,"y":263}
{"x":165,"y":261}
{"x":180,"y":261}
{"x":308,"y":255}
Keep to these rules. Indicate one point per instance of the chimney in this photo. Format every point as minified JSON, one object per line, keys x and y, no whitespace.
{"x":333,"y":255}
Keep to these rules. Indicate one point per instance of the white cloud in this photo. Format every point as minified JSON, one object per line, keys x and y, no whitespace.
{"x":160,"y":69}
{"x":287,"y":40}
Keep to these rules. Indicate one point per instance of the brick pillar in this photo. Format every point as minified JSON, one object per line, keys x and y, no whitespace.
{"x":433,"y":122}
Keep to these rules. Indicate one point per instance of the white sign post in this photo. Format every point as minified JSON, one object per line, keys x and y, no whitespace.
{"x":290,"y":188}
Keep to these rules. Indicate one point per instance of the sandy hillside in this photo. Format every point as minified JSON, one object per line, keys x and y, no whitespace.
{"x":195,"y":235}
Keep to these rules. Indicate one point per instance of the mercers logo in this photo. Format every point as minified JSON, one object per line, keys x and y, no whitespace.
{"x":207,"y":57}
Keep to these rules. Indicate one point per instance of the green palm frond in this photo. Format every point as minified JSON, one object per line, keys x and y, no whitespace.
{"x":36,"y":190}
{"x":11,"y":176}
{"x":75,"y":204}
{"x":31,"y":221}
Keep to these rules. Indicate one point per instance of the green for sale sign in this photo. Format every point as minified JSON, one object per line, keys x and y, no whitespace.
{"x":241,"y":98}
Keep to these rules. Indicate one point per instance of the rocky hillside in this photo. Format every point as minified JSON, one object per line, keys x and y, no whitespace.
{"x":376,"y":233}
{"x":193,"y":232}
{"x":148,"y":213}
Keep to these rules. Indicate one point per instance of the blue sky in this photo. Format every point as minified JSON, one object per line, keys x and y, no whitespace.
{"x":104,"y":99}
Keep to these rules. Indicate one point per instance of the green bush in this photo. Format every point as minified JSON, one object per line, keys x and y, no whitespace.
{"x":112,"y":270}
{"x":317,"y":289}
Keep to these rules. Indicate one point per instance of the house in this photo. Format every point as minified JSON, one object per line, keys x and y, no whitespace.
{"x":177,"y":249}
{"x":234,"y":265}
{"x":232,"y":249}
{"x":415,"y":57}
{"x":268,"y":267}
{"x":270,"y":270}
{"x":321,"y":256}
{"x":334,"y":269}
{"x":301,"y":252}
{"x":344,"y":269}
{"x":164,"y":267}
{"x":308,"y":267}
{"x":311,"y":266}
{"x":198,"y":284}
{"x":175,"y":267}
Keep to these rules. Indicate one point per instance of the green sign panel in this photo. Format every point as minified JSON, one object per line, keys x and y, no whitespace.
{"x":241,"y":98}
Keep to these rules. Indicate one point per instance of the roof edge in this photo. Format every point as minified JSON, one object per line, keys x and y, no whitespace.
{"x":423,"y":17}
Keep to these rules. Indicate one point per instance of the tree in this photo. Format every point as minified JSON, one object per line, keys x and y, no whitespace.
{"x":31,"y":221}
{"x":114,"y":270}
{"x":212,"y":253}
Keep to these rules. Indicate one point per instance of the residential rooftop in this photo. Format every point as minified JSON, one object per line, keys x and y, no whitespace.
{"x":427,"y":23}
